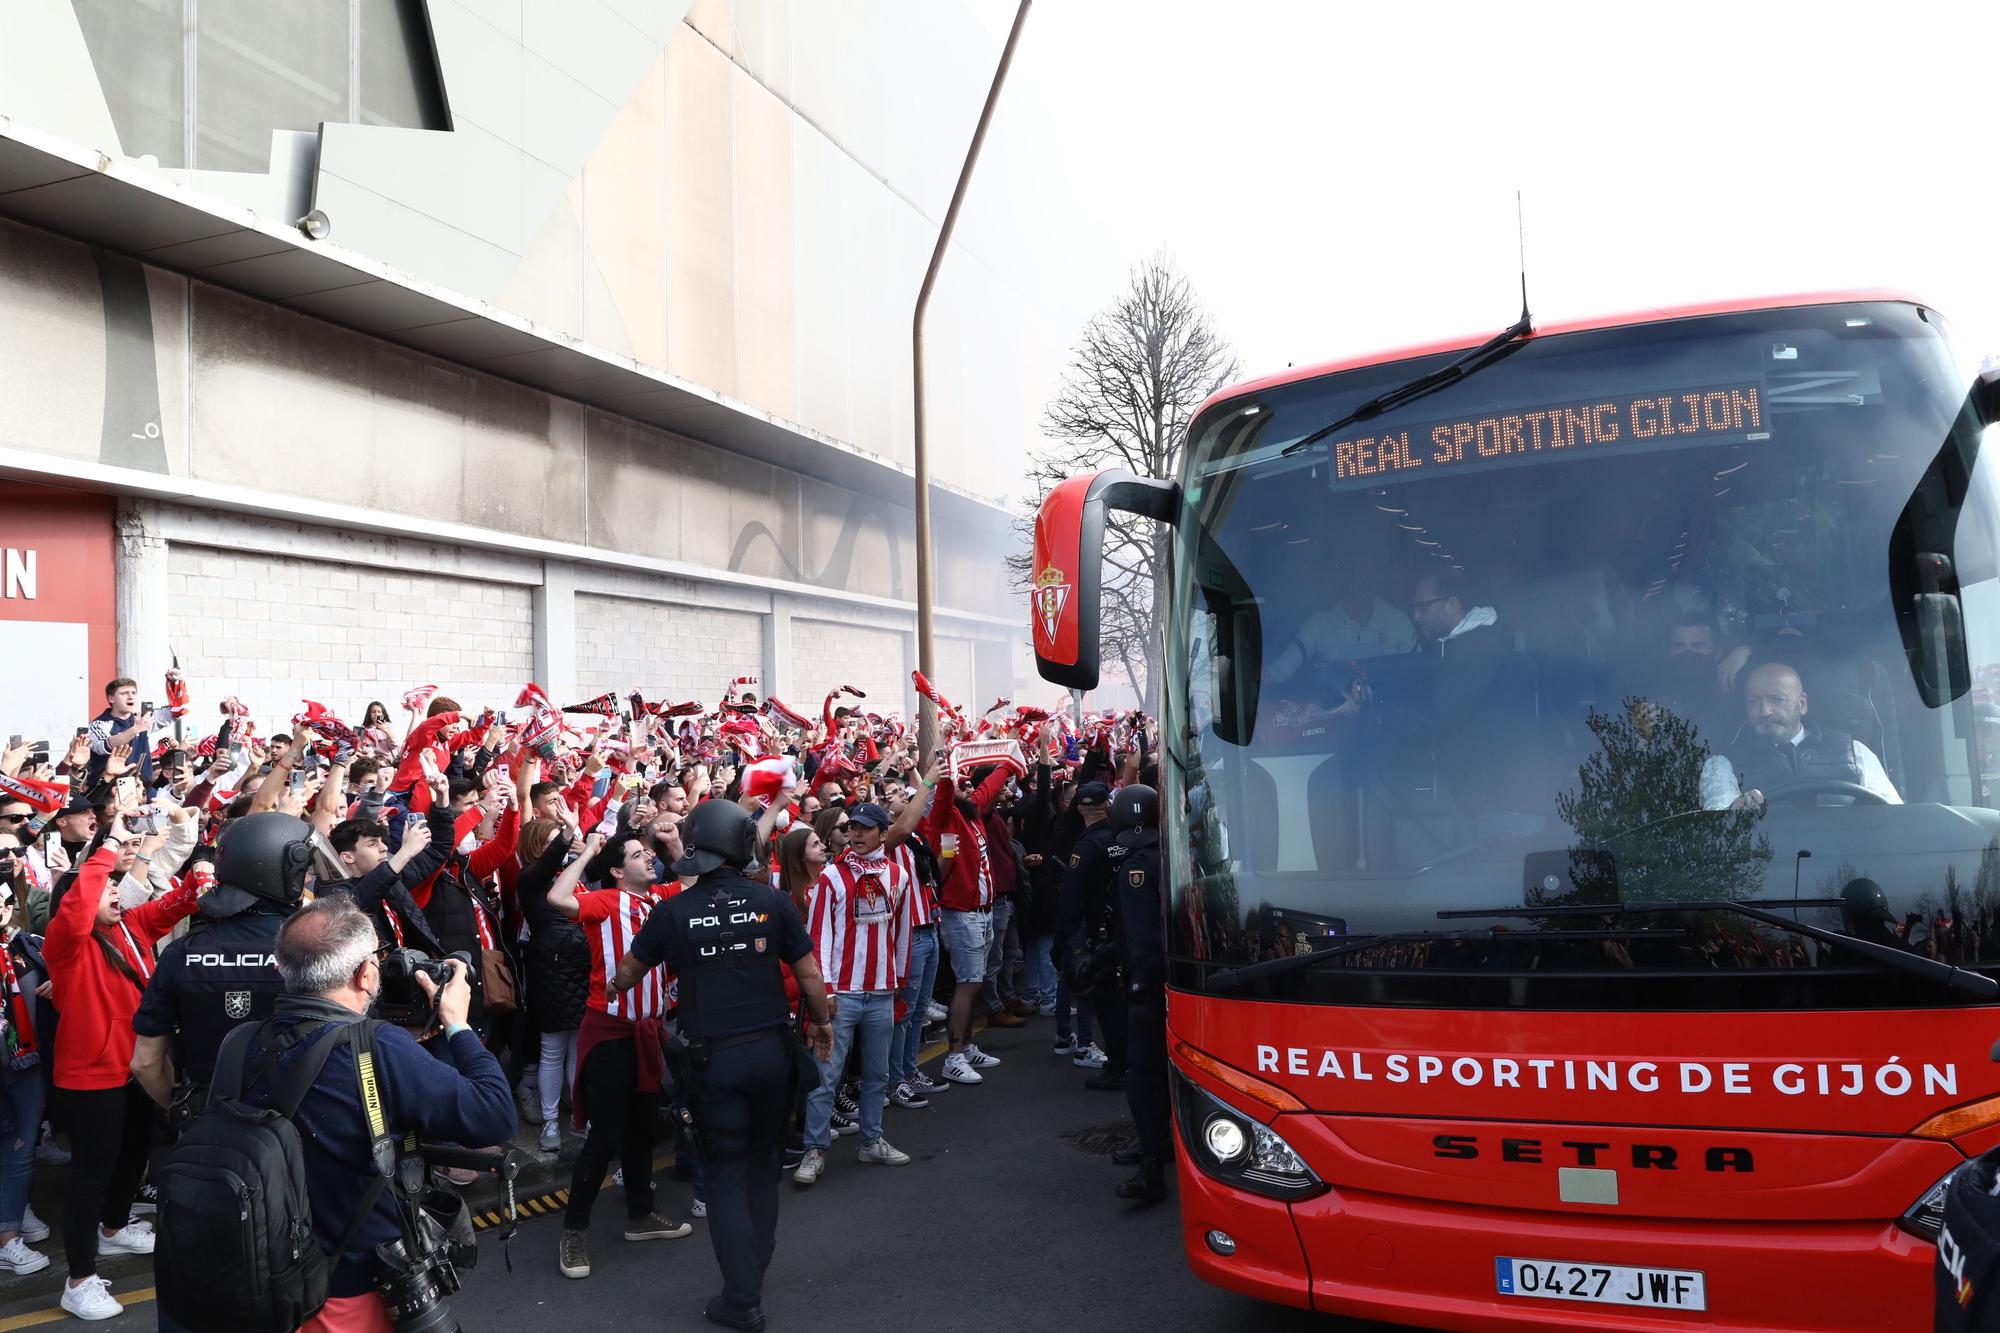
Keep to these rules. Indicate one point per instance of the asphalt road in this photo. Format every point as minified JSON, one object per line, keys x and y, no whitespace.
{"x":1001,"y":1221}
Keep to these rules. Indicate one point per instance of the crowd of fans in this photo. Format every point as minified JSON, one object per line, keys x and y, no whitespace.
{"x":534,"y":839}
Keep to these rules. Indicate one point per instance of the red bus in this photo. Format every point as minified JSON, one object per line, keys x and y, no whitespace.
{"x":1578,"y":769}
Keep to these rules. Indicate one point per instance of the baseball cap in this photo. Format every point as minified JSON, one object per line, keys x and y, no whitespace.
{"x":868,"y":815}
{"x":1092,"y":793}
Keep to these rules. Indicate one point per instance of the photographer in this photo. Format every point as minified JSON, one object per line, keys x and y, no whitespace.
{"x":326,"y":955}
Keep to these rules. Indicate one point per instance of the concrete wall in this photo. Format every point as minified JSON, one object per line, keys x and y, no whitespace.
{"x":105,"y":360}
{"x":741,"y":192}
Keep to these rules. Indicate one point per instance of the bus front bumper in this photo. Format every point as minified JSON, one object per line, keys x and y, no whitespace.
{"x":1431,"y":1264}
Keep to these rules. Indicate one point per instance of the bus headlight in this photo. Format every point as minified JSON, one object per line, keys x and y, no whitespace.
{"x":1239,"y":1151}
{"x":1224,"y":1138}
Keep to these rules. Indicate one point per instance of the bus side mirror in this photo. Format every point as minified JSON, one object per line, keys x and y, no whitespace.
{"x":1986,"y":397}
{"x":1068,"y":566}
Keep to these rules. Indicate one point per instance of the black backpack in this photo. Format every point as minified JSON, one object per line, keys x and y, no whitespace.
{"x":234,"y":1244}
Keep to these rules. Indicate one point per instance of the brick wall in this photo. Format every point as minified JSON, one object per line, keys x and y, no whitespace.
{"x":826,"y":655}
{"x":666,"y":650}
{"x":274,"y":629}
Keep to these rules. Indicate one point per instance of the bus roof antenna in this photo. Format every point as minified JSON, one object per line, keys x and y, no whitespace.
{"x":1521,"y":240}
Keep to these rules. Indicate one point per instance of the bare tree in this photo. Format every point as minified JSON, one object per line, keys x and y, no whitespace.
{"x":1142,"y":367}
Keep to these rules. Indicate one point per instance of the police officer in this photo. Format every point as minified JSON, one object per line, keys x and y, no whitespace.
{"x":723,"y":938}
{"x":223,"y":972}
{"x":1142,"y":960}
{"x":1084,"y":924}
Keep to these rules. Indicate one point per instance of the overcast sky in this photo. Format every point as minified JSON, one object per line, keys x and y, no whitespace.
{"x":1339,"y":177}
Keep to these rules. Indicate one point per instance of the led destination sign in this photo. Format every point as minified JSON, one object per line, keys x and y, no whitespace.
{"x":1727,"y":411}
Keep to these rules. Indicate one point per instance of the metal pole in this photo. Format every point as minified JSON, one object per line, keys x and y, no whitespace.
{"x":926,"y":596}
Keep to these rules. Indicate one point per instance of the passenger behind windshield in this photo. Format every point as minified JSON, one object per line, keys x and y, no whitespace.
{"x":1359,"y":624}
{"x":1778,"y":748}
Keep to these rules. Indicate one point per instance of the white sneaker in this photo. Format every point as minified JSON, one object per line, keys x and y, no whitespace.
{"x":91,"y":1299}
{"x":1047,"y":1008}
{"x":935,"y":1012}
{"x":1066,"y":1046}
{"x":1090,"y":1057}
{"x":882,"y":1153}
{"x":33,"y":1229}
{"x":956,"y":1070}
{"x":16,"y":1257}
{"x":979,"y":1059}
{"x":132,"y":1238}
{"x":550,"y":1138}
{"x":810,"y":1166}
{"x":699,"y":1208}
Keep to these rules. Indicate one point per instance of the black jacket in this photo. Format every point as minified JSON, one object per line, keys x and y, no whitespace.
{"x":558,"y":954}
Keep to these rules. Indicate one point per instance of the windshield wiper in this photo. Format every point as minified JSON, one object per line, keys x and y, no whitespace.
{"x":1234,"y":977}
{"x":1957,"y":978}
{"x":1479,"y":357}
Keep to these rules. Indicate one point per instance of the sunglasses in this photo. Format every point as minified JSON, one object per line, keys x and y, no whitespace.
{"x":13,"y":819}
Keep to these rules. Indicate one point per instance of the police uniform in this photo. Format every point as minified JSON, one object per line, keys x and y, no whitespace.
{"x":222,"y":974}
{"x":723,"y":939}
{"x":1085,"y":912}
{"x":1143,"y":957}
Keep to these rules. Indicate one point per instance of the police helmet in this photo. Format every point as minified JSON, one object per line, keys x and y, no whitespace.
{"x":1862,"y":901}
{"x":1136,"y":806}
{"x":265,"y":855}
{"x":716,"y":833}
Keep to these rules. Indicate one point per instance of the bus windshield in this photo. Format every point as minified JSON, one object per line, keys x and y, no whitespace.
{"x":1668,"y":613}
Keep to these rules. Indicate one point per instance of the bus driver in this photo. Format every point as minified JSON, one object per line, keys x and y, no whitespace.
{"x":1778,"y":748}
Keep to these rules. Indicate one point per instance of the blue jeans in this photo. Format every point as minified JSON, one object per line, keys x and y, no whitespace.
{"x":1038,"y":975}
{"x":999,"y":989}
{"x":1085,"y":1028}
{"x":908,"y":1039}
{"x":22,"y":1090}
{"x":865,"y":1017}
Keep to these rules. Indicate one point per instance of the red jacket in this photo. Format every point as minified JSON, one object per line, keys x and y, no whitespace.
{"x":96,"y":998}
{"x":410,"y":768}
{"x":968,"y":877}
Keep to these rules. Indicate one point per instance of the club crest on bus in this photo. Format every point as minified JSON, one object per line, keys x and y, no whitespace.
{"x":1051,"y":596}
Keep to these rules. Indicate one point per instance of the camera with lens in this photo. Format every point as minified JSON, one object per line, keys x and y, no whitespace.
{"x":420,"y":1268}
{"x":402,"y":1001}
